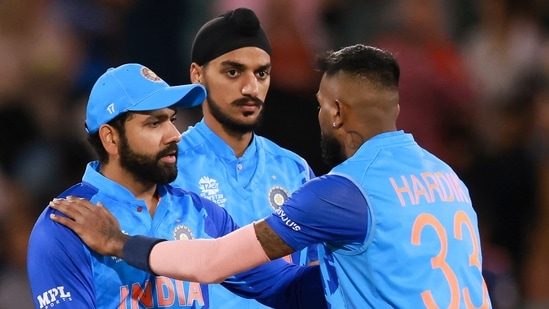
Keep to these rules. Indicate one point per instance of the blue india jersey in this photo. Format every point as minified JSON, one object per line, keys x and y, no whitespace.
{"x":64,"y":273}
{"x":249,"y":187}
{"x":397,"y":226}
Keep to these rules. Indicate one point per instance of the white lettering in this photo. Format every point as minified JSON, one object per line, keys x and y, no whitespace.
{"x":51,"y":295}
{"x":294,"y":226}
{"x":63,"y":294}
{"x":43,"y":300}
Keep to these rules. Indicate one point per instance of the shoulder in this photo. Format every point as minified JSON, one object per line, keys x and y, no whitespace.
{"x":223,"y":222}
{"x":190,"y":139}
{"x":332,"y":186}
{"x":183,"y":196}
{"x":47,"y":236}
{"x":274,"y":150}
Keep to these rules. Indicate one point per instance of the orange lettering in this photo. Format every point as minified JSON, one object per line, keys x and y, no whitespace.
{"x":180,"y":292}
{"x":461,"y":219}
{"x":143,"y":295}
{"x":400,"y":190}
{"x":461,"y":196}
{"x":432,"y":185}
{"x":124,"y":293}
{"x":165,"y":291}
{"x":195,"y":293}
{"x":440,"y":178}
{"x":438,"y":261}
{"x":419,"y":190}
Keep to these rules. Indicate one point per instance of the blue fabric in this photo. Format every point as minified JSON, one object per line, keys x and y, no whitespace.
{"x":384,"y":216}
{"x":64,"y":273}
{"x":249,"y":187}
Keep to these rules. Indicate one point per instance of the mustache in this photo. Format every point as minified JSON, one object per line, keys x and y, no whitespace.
{"x":172,"y":148}
{"x":246,"y":101}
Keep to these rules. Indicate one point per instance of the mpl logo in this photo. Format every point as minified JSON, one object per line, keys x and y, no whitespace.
{"x":53,"y":296}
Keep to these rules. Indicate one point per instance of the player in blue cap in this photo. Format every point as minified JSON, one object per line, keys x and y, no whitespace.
{"x":130,"y":120}
{"x":396,"y":224}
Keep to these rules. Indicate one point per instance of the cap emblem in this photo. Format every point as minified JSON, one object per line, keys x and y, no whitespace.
{"x":150,"y":75}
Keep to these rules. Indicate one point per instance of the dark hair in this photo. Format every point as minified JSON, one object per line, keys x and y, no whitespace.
{"x":118,"y":124}
{"x":372,"y":64}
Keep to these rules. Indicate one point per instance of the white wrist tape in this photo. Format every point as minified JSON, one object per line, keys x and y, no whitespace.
{"x":208,"y":260}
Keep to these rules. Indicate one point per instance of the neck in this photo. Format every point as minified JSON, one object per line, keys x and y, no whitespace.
{"x":238,"y":141}
{"x":140,"y":190}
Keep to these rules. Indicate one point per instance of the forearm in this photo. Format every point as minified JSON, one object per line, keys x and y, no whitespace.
{"x":200,"y":260}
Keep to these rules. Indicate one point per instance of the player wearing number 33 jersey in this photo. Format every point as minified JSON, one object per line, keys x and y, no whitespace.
{"x":396,"y":225}
{"x":401,"y":234}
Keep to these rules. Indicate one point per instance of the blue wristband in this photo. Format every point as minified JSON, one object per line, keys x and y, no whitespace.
{"x":137,"y":250}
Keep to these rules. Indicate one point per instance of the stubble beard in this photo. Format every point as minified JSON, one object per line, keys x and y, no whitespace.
{"x":231,"y":124}
{"x":332,"y":151}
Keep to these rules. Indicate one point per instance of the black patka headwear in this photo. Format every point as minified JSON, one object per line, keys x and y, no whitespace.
{"x":232,"y":30}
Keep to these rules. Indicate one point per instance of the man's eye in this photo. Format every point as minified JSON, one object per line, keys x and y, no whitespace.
{"x":263,"y":74}
{"x":232,"y":73}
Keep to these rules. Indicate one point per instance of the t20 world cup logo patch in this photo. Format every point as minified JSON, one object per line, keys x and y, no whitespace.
{"x":182,"y":232}
{"x":277,"y":196}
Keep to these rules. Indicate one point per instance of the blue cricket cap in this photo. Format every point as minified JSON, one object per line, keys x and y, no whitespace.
{"x":134,"y":87}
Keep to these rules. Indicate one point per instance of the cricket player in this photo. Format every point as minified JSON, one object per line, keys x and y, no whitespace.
{"x":396,"y":224}
{"x":220,"y":157}
{"x":130,"y":120}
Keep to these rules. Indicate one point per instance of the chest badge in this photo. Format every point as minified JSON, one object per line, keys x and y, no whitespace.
{"x":182,"y":232}
{"x":277,"y":196}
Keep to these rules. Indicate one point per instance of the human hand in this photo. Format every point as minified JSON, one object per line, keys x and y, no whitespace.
{"x":95,"y":225}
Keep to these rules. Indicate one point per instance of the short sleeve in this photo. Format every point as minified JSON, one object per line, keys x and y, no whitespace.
{"x":329,"y":208}
{"x":59,"y":266}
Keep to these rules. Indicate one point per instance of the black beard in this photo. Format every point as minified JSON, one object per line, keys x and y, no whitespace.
{"x":332,"y":152}
{"x":148,"y":168}
{"x":232,"y":124}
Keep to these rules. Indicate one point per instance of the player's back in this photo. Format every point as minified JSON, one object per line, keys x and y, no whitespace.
{"x":423,"y":243}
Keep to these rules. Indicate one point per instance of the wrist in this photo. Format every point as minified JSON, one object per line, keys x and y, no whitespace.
{"x":118,"y":245}
{"x":137,"y":249}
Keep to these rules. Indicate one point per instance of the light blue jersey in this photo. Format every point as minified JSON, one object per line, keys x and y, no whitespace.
{"x":64,"y":273}
{"x":398,"y":230}
{"x":249,"y":187}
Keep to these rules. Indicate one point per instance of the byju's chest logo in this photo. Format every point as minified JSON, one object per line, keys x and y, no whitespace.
{"x":182,"y":232}
{"x":277,"y":196}
{"x":209,"y":188}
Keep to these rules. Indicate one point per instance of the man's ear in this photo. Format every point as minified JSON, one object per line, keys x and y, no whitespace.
{"x":196,"y":73}
{"x":337,"y":114}
{"x":109,"y":138}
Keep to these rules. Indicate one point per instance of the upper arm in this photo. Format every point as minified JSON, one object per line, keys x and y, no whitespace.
{"x":307,"y":217}
{"x":59,"y":267}
{"x":272,"y":244}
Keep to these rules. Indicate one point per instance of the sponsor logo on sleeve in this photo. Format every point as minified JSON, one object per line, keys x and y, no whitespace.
{"x":289,"y":222}
{"x":53,"y":296}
